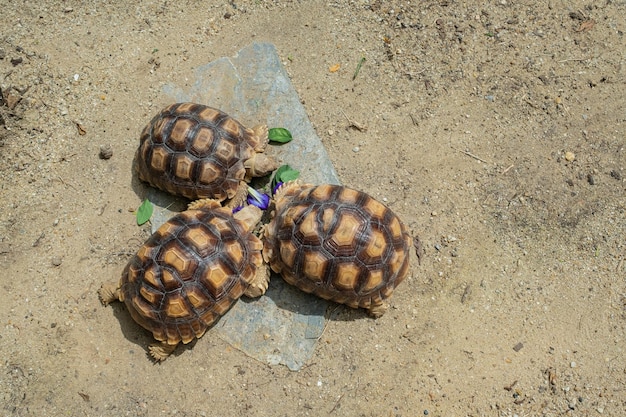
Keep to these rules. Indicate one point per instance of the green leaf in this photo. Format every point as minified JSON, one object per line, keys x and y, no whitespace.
{"x":144,"y":212}
{"x":277,"y":173}
{"x":358,"y":67}
{"x":289,"y":175}
{"x":283,"y":174}
{"x":279,"y":134}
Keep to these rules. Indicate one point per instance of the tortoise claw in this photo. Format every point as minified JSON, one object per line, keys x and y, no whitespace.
{"x":160,"y":351}
{"x":108,"y":293}
{"x":260,"y":282}
{"x":378,"y":310}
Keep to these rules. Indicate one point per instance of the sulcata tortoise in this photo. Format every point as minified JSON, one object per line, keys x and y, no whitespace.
{"x":196,"y":151}
{"x":190,"y":272}
{"x":337,"y":243}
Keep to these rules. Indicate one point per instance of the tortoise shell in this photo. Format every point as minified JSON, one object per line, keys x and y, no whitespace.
{"x":337,"y":243}
{"x":188,"y":274}
{"x":196,"y":151}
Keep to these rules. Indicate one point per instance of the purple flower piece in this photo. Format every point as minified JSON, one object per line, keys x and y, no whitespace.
{"x":257,"y":198}
{"x":276,"y":187}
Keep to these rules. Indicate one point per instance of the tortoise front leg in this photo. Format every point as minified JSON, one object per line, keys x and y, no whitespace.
{"x":240,"y":196}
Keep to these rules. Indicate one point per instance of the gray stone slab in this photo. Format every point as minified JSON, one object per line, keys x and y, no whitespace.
{"x":283,"y":326}
{"x":254,"y":88}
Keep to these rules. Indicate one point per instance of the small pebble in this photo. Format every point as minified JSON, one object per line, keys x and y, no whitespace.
{"x":570,"y":156}
{"x":616,"y":174}
{"x":356,"y":149}
{"x":591,"y":179}
{"x":572,"y":364}
{"x":106,"y":152}
{"x":56,"y":261}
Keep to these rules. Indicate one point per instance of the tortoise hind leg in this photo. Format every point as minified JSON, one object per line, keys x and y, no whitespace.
{"x":160,"y":351}
{"x":109,"y":292}
{"x":377,"y":310}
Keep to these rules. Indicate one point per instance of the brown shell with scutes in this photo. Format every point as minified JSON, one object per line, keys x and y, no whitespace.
{"x":337,"y":243}
{"x":188,"y":274}
{"x":195,"y":151}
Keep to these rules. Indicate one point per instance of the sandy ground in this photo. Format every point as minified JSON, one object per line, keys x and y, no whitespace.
{"x":495,"y":130}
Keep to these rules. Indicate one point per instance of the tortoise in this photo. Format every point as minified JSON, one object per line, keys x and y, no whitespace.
{"x":190,"y":272}
{"x":196,"y":151}
{"x":337,"y":243}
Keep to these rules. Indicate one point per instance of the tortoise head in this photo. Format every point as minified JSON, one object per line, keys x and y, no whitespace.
{"x":260,"y":164}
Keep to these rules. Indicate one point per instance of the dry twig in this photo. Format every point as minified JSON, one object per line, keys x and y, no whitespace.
{"x":358,"y":126}
{"x":337,"y":403}
{"x":66,"y":184}
{"x":470,"y":155}
{"x":507,"y":169}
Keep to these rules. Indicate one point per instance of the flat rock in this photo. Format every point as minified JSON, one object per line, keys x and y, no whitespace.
{"x":283,"y":326}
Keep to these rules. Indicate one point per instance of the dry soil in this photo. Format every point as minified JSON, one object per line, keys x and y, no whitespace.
{"x":496,"y":130}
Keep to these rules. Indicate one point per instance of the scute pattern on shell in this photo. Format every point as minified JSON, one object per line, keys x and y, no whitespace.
{"x":338,"y":243}
{"x":189,"y":273}
{"x":194,"y":151}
